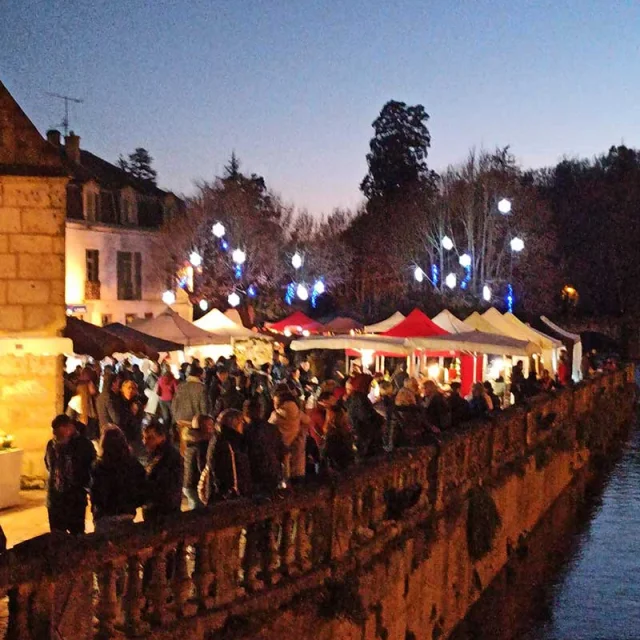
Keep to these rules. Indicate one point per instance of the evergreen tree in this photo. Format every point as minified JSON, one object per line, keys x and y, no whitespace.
{"x":139,"y":166}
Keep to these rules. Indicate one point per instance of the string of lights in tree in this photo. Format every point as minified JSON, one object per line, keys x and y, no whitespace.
{"x":516,"y":244}
{"x":300,"y":289}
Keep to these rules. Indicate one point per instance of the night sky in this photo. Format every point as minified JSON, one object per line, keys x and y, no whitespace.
{"x":293,"y":86}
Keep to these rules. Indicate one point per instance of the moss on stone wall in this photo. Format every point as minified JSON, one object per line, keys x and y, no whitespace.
{"x":483,"y":521}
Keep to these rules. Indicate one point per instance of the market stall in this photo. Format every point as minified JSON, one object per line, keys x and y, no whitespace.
{"x":572,"y":342}
{"x":385,"y":325}
{"x":341,"y":325}
{"x":296,"y":324}
{"x":447,"y":321}
{"x":141,"y":343}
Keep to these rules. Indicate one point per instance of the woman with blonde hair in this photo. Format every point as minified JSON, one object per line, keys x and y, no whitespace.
{"x":82,"y":409}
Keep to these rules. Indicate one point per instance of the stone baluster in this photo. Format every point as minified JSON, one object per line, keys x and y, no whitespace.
{"x":159,"y":589}
{"x":304,"y":545}
{"x":19,"y":608}
{"x":203,"y":574}
{"x":108,"y":608}
{"x":133,"y":600}
{"x":182,"y":584}
{"x":226,"y":565}
{"x":272,"y":555}
{"x":288,"y":542}
{"x":254,"y":555}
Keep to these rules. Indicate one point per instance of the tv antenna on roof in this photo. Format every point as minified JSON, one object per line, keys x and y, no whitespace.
{"x":65,"y":121}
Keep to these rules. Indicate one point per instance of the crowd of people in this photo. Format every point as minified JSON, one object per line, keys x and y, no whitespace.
{"x":219,"y":431}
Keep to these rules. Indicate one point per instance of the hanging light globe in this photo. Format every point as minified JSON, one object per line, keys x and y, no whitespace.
{"x":319,"y":287}
{"x":302,"y":292}
{"x":168,"y":297}
{"x":238,"y":256}
{"x":447,"y":243}
{"x":486,"y":293}
{"x":296,"y":260}
{"x":504,"y":206}
{"x":233,"y":299}
{"x":418,"y":274}
{"x":517,"y":244}
{"x":204,"y":305}
{"x":218,"y":230}
{"x":465,"y":260}
{"x":195,"y":259}
{"x":451,"y":281}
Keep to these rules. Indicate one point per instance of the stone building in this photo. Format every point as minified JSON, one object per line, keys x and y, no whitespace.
{"x":33,"y":183}
{"x":112,"y":240}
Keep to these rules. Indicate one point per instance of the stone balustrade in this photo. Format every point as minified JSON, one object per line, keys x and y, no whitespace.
{"x":203,"y":568}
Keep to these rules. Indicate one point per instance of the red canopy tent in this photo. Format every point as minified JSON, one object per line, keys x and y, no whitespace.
{"x":419,"y":325}
{"x":297,"y":322}
{"x":415,"y":325}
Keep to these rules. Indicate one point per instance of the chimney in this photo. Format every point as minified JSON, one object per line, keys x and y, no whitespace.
{"x":72,"y":147}
{"x":53,"y":137}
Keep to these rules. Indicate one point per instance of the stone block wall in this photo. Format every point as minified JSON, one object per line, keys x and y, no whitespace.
{"x":32,"y":305}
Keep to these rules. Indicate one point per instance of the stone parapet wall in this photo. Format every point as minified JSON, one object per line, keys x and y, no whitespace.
{"x":383,"y":551}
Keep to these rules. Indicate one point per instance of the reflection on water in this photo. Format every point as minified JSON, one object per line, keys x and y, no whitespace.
{"x":580,"y":575}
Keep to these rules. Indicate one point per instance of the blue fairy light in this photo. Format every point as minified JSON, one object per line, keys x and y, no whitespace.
{"x":510,"y":298}
{"x":290,"y":295}
{"x":238,"y":271}
{"x":435,"y":274}
{"x":224,"y":244}
{"x":251,"y":291}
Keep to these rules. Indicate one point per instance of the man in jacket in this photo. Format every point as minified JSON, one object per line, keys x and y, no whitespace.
{"x":218,"y":384}
{"x":68,"y":459}
{"x":164,"y":474}
{"x":108,"y":402}
{"x":190,"y":399}
{"x":366,"y":421}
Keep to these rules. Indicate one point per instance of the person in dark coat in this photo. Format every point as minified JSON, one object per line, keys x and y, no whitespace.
{"x":458,"y":406}
{"x":131,"y":414}
{"x":278,"y":369}
{"x":68,"y":459}
{"x":196,"y":441}
{"x":230,"y":398}
{"x":108,"y":402}
{"x":118,"y":482}
{"x":218,"y":383}
{"x":437,"y":410}
{"x":518,"y":383}
{"x":409,"y":424}
{"x":367,"y":423}
{"x":165,"y":474}
{"x":480,"y":405}
{"x":264,"y":447}
{"x":496,"y":405}
{"x":384,"y":406}
{"x":228,"y":458}
{"x":338,"y":450}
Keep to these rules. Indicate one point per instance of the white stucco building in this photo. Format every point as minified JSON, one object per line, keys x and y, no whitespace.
{"x":112,"y":244}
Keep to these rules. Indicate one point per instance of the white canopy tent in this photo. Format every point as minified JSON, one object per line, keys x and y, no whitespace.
{"x":385,"y":325}
{"x":576,"y":373}
{"x":479,"y":323}
{"x":198,"y":342}
{"x":510,"y":325}
{"x":219,"y":324}
{"x":447,"y":321}
{"x":476,"y":342}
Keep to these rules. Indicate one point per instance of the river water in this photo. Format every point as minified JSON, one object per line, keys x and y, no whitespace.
{"x":579,"y":577}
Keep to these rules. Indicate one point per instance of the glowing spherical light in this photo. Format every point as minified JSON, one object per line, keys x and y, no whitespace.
{"x":486,"y":293}
{"x":504,"y":206}
{"x":204,"y":305}
{"x":233,"y":299}
{"x":195,"y":259}
{"x":451,"y":281}
{"x":418,"y":274}
{"x":218,"y":230}
{"x":306,"y":333}
{"x":447,"y":243}
{"x":296,"y":260}
{"x":319,"y":287}
{"x":517,"y":244}
{"x":168,"y":297}
{"x":465,"y":260}
{"x":238,"y":256}
{"x":302,"y":292}
{"x":433,"y":371}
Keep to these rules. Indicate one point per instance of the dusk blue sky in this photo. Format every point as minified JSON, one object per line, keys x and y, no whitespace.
{"x":293,"y":85}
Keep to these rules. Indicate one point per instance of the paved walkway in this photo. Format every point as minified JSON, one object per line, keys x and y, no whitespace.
{"x":29,"y":519}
